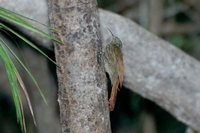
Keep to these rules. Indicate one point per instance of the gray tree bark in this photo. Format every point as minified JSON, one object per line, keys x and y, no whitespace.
{"x":82,"y":92}
{"x":157,"y":70}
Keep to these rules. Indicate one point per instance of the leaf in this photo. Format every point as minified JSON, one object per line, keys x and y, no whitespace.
{"x":27,"y":41}
{"x":11,"y":73}
{"x":14,"y":78}
{"x":17,"y":19}
{"x":29,"y":73}
{"x":21,"y":83}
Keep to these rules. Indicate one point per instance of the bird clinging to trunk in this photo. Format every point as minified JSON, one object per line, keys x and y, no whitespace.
{"x":114,"y":65}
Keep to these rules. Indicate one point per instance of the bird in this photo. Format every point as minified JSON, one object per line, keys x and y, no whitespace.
{"x":114,"y":66}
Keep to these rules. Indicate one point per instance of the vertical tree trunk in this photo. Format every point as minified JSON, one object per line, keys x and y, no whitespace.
{"x":81,"y":77}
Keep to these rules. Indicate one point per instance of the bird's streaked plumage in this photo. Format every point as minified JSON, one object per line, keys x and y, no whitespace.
{"x":114,"y":65}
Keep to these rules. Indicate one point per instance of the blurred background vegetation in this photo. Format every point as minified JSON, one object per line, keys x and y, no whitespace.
{"x":177,"y":21}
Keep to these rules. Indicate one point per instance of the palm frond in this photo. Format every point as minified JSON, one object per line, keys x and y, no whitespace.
{"x":28,"y":71}
{"x":27,"y":41}
{"x":14,"y":77}
{"x":20,"y":20}
{"x":11,"y":73}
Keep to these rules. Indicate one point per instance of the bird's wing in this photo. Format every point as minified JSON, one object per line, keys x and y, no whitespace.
{"x":120,"y":69}
{"x":113,"y":95}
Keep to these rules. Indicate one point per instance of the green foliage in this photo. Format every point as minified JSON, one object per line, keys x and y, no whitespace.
{"x":11,"y":72}
{"x":21,"y":21}
{"x":177,"y":40}
{"x":181,"y":42}
{"x":14,"y":78}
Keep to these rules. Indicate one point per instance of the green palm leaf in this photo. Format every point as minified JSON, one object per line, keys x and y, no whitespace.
{"x":11,"y":73}
{"x":26,"y":40}
{"x":20,"y":20}
{"x":14,"y":78}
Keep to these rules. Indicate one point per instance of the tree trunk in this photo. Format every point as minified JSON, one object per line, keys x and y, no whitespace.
{"x":154,"y":68}
{"x":81,"y":78}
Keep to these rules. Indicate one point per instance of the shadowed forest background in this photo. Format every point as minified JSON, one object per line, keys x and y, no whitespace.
{"x":176,"y":21}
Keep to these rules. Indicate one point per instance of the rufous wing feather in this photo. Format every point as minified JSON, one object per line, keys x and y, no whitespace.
{"x":113,"y":95}
{"x":120,"y":70}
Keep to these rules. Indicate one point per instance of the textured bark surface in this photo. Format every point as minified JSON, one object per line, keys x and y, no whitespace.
{"x":156,"y":70}
{"x":82,"y":92}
